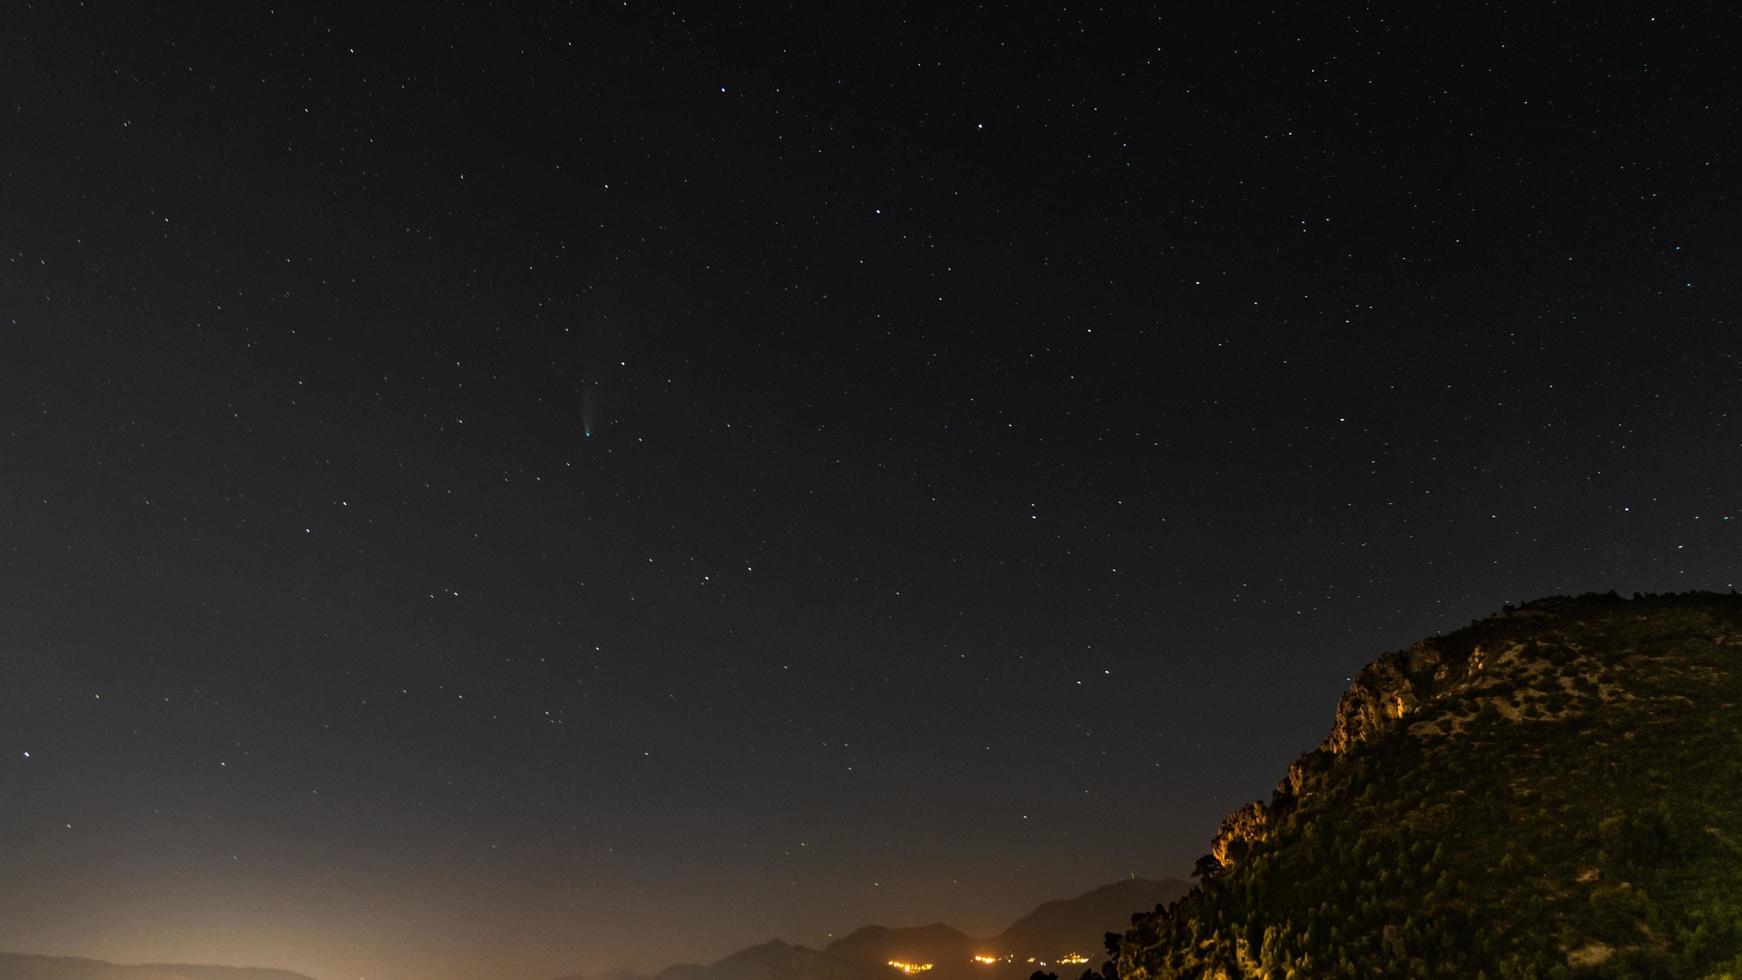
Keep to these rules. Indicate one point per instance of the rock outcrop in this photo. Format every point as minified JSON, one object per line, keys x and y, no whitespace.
{"x":1550,"y":791}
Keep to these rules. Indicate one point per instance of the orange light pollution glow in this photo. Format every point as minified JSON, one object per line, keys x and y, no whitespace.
{"x":987,"y":959}
{"x":906,"y":967}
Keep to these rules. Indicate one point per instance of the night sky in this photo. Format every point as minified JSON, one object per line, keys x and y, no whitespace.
{"x":510,"y":489}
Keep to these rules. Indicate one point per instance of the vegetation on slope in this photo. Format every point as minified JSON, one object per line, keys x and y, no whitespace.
{"x":1555,"y":791}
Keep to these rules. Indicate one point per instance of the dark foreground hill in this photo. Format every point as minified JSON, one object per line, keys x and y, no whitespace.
{"x":1552,"y":792}
{"x":1036,"y":941}
{"x":19,"y":966}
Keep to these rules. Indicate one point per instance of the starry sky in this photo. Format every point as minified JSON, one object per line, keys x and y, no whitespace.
{"x":510,"y":489}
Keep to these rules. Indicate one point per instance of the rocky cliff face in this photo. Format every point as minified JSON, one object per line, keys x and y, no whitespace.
{"x":1385,"y":692}
{"x":1505,"y":799}
{"x":1237,"y":832}
{"x":1388,"y":692}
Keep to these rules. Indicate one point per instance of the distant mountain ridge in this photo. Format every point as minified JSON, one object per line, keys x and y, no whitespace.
{"x":25,"y":966}
{"x":1035,"y":941}
{"x":1060,"y":924}
{"x":879,"y":945}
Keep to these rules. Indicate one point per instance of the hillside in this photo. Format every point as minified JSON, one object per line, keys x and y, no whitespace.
{"x":20,"y":966}
{"x":1555,"y":791}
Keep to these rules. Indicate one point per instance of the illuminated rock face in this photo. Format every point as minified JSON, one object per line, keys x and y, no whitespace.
{"x":1537,"y":780}
{"x":1387,"y":691}
{"x":1238,"y":830}
{"x":1384,"y":691}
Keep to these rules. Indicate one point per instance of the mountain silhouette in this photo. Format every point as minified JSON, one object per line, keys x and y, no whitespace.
{"x":1036,"y":941}
{"x":23,"y":966}
{"x":1080,"y":924}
